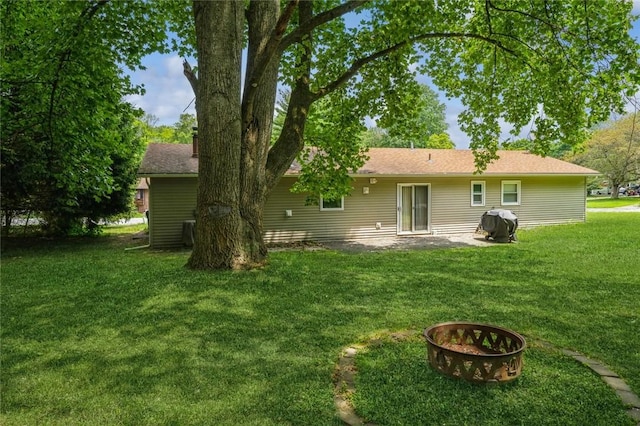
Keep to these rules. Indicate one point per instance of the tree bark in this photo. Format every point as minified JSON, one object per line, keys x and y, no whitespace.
{"x":218,"y":242}
{"x":258,"y":105}
{"x":232,"y":189}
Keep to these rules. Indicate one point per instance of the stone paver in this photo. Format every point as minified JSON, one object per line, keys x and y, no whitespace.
{"x":614,"y":381}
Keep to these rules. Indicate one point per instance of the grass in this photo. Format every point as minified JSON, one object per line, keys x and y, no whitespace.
{"x":608,"y":202}
{"x":94,"y":334}
{"x":553,"y":389}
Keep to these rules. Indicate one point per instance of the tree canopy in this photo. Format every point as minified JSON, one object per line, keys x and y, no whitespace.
{"x":68,"y":150}
{"x":180,"y":132}
{"x":554,"y":67}
{"x":425,"y":127}
{"x":614,"y":150}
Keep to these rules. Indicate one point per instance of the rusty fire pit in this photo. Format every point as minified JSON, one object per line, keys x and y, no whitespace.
{"x":475,"y":352}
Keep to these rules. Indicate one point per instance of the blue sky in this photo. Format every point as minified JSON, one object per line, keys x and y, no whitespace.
{"x":168,"y":93}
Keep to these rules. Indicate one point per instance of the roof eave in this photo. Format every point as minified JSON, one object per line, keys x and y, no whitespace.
{"x":166,"y":175}
{"x":474,"y":175}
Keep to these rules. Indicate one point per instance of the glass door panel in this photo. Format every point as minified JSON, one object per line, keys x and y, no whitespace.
{"x":406,"y":209}
{"x":420,"y":216}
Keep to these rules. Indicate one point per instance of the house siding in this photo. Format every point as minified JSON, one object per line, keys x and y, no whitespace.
{"x":357,"y":220}
{"x":171,"y":202}
{"x":544,"y":200}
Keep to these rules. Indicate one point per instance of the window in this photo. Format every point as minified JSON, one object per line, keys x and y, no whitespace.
{"x":327,"y":204}
{"x":477,"y":193}
{"x":510,"y":192}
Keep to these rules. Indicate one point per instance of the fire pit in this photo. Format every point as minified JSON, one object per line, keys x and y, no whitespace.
{"x":475,"y":352}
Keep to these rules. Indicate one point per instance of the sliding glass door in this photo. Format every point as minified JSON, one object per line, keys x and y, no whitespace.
{"x":413,"y":208}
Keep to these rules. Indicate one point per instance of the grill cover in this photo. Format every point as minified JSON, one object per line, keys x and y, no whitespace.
{"x":500,"y":225}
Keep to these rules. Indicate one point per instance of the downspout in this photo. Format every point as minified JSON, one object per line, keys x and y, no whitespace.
{"x":148,"y":212}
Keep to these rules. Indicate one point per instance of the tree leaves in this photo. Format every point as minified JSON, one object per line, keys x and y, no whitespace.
{"x":614,"y":151}
{"x":62,"y":114}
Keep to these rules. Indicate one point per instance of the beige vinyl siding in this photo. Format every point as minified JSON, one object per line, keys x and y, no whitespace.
{"x":544,"y":200}
{"x":357,"y":220}
{"x":171,"y":201}
{"x":551,"y":200}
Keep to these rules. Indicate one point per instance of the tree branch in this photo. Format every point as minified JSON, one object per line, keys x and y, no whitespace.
{"x":285,"y":17}
{"x":267,"y":54}
{"x":191,"y":76}
{"x":359,"y":63}
{"x":305,"y":28}
{"x":525,"y":14}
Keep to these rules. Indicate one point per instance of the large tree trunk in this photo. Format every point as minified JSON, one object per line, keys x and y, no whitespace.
{"x":218,"y":242}
{"x":232,"y":190}
{"x":257,"y":117}
{"x":237,"y":170}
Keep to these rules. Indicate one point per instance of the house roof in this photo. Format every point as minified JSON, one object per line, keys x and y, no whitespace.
{"x":406,"y":161}
{"x":168,"y":159}
{"x":177,"y":160}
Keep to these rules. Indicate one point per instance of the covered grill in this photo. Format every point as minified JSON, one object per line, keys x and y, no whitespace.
{"x":499,"y":225}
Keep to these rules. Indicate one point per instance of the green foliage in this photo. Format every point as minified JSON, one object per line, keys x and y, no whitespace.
{"x":614,"y":151}
{"x":64,"y":144}
{"x":184,"y":128}
{"x":422,"y":118}
{"x":329,"y":161}
{"x":180,"y":132}
{"x":440,"y":141}
{"x":557,"y":149}
{"x":556,"y":68}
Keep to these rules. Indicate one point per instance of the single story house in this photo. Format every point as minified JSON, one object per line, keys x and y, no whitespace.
{"x":399,"y":191}
{"x":142,"y":196}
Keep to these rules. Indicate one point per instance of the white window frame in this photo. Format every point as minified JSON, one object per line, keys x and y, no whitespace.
{"x":329,"y":209}
{"x":518,"y":192}
{"x":483,"y":185}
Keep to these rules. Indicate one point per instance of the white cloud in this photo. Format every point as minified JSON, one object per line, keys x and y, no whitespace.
{"x":168,"y":93}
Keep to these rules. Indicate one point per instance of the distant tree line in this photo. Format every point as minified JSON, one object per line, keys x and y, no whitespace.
{"x":180,"y":132}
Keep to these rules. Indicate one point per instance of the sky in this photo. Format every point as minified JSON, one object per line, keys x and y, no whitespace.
{"x":168,"y":93}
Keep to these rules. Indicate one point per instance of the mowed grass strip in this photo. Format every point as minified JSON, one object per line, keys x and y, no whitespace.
{"x":608,"y":202}
{"x":94,"y":334}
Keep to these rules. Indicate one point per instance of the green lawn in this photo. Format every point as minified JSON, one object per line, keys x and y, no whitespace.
{"x":94,"y":334}
{"x":608,"y":202}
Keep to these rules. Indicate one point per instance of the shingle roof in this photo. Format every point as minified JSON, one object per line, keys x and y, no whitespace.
{"x":168,"y":159}
{"x":176,"y":159}
{"x":406,"y":161}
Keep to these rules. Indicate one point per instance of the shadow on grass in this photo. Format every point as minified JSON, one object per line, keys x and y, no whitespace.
{"x":92,"y":334}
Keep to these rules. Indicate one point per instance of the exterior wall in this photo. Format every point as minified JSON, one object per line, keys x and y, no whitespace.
{"x":142,"y":200}
{"x":544,"y":200}
{"x":171,"y":201}
{"x":357,"y":220}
